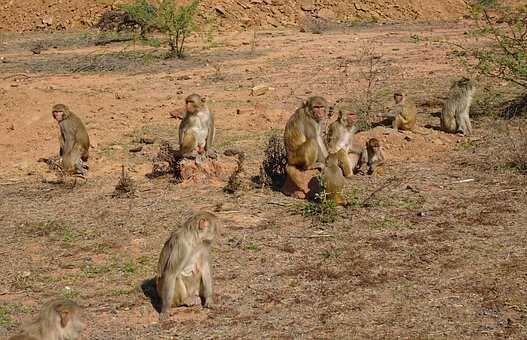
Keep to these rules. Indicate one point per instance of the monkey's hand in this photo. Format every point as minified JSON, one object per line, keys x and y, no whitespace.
{"x":208,"y":303}
{"x":318,"y":165}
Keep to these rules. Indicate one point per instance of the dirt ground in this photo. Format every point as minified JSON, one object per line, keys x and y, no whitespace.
{"x":438,"y":253}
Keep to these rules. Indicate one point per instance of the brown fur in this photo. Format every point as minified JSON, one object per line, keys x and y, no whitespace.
{"x":74,"y":141}
{"x":184,"y":274}
{"x":303,"y":139}
{"x":59,"y":319}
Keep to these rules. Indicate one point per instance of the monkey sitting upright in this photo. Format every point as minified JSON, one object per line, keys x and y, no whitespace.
{"x":73,"y":138}
{"x":333,"y":179}
{"x":196,"y":131}
{"x":59,"y":319}
{"x":341,"y":141}
{"x":372,"y":156}
{"x":303,"y":140}
{"x":455,"y":114}
{"x":405,"y":113}
{"x":184,"y":275}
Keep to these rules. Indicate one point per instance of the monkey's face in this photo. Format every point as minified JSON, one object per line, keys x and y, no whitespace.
{"x":398,"y":98}
{"x":319,"y":111}
{"x":351,"y":118}
{"x":58,"y":115}
{"x":192,"y":106}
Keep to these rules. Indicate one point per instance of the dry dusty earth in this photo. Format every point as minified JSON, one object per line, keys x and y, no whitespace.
{"x":431,"y":256}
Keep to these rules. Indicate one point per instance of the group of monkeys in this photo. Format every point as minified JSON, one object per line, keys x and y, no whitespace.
{"x":184,"y":275}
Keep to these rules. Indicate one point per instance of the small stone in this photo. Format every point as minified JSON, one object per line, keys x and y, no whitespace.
{"x":47,"y":20}
{"x":136,"y":148}
{"x":259,"y":90}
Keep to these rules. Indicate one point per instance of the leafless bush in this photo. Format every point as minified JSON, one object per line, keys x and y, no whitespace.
{"x":273,"y":168}
{"x":374,"y":71}
{"x":235,"y":182}
{"x":166,"y":162}
{"x":125,"y":187}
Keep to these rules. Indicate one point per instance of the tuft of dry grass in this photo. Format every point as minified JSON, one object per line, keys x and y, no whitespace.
{"x":518,"y":155}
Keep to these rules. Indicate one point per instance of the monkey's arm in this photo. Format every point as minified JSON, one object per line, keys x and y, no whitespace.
{"x":210,"y":135}
{"x":69,"y":137}
{"x":206,"y":281}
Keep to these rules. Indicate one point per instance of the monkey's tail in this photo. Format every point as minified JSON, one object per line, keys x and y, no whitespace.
{"x":421,"y":132}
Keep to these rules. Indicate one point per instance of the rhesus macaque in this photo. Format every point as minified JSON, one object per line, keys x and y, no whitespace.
{"x":303,"y":140}
{"x":333,"y":179}
{"x":455,"y":115}
{"x":73,"y":139}
{"x":405,"y":112}
{"x":184,"y":275}
{"x":196,"y":131}
{"x":59,"y":319}
{"x":341,"y":141}
{"x":372,"y":155}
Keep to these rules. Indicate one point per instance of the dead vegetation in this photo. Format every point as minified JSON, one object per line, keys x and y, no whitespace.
{"x":272,"y":170}
{"x":125,"y":186}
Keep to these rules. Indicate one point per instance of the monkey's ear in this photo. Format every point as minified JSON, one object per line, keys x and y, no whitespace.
{"x":203,"y":99}
{"x":65,"y":317}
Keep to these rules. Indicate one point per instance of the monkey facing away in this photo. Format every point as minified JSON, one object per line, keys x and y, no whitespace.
{"x":196,"y":131}
{"x":303,"y":140}
{"x":59,"y":319}
{"x":73,"y":138}
{"x":405,"y":113}
{"x":373,"y":156}
{"x":184,"y":275}
{"x":333,"y":179}
{"x":341,"y":141}
{"x":455,"y":114}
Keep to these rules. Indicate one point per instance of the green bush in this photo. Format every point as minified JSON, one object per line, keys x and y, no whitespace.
{"x":173,"y":20}
{"x":506,"y":55}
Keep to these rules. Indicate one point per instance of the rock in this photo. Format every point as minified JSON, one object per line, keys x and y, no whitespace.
{"x":47,"y":20}
{"x":259,"y":90}
{"x":147,"y":140}
{"x":220,"y":10}
{"x":310,"y":185}
{"x":307,"y":5}
{"x":136,"y":148}
{"x":185,"y":77}
{"x":326,"y":13}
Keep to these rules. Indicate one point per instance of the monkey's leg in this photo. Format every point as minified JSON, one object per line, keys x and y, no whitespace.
{"x":295,"y":175}
{"x":345,"y":163}
{"x":168,"y":292}
{"x":448,"y":122}
{"x":396,"y":123}
{"x":356,"y":160}
{"x":206,"y":285}
{"x":305,"y":156}
{"x":188,"y":147}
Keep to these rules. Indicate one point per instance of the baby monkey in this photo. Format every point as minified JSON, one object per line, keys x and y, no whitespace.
{"x":372,"y":156}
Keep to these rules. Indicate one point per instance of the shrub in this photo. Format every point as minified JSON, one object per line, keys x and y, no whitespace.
{"x":173,"y":20}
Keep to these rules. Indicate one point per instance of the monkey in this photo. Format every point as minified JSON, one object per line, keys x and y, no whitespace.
{"x":196,"y":131}
{"x":184,"y":275}
{"x":303,"y":140}
{"x":59,"y":319}
{"x":341,"y":141}
{"x":455,"y":114}
{"x":333,"y":179}
{"x":372,"y":155}
{"x":405,"y":115}
{"x":73,"y":138}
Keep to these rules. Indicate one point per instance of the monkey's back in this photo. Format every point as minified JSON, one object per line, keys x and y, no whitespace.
{"x":294,"y":132}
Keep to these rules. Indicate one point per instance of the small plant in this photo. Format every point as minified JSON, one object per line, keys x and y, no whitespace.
{"x":4,"y":316}
{"x":518,"y":158}
{"x":173,"y":20}
{"x":143,"y":13}
{"x":323,"y":209}
{"x":125,"y":187}
{"x":252,"y":247}
{"x":235,"y":182}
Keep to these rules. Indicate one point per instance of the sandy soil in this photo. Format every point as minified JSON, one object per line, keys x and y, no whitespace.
{"x":432,"y":256}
